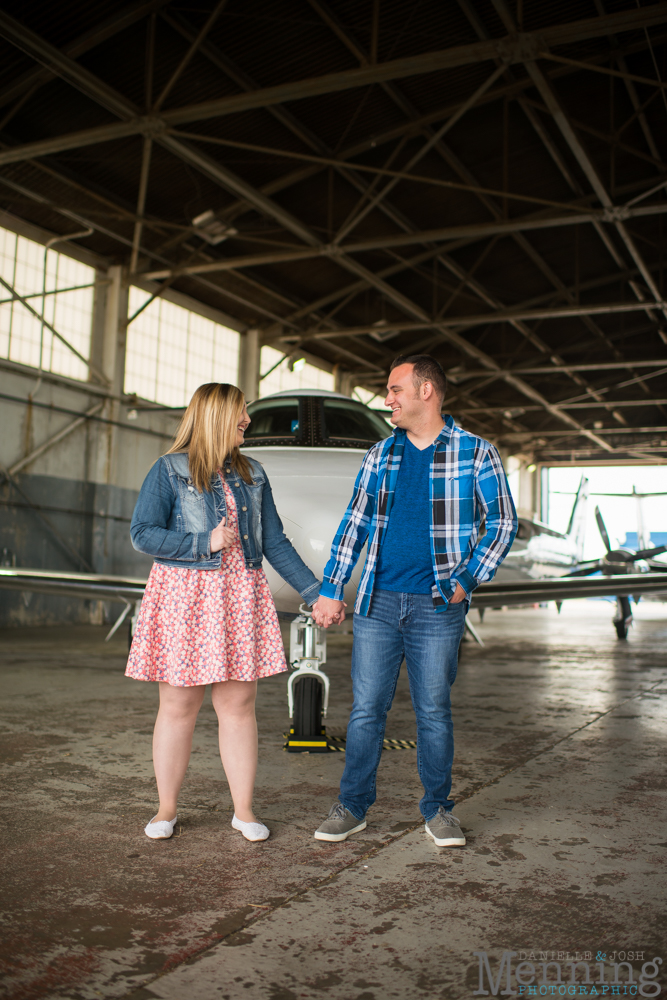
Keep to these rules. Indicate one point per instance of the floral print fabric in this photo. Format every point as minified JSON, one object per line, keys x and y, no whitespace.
{"x":204,"y":626}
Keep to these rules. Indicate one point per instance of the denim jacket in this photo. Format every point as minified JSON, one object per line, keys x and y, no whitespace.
{"x":173,"y":521}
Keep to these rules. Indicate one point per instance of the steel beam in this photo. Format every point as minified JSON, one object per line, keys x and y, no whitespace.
{"x":109,"y":98}
{"x":521,"y":48}
{"x":517,"y":436}
{"x":106,"y":29}
{"x":556,"y":369}
{"x":481,"y":319}
{"x":564,"y":405}
{"x":544,"y":88}
{"x":55,"y":439}
{"x":478,"y":230}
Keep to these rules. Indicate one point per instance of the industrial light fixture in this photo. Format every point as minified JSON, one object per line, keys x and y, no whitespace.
{"x":297,"y":364}
{"x":212,"y":229}
{"x":383,"y":332}
{"x":531,"y":468}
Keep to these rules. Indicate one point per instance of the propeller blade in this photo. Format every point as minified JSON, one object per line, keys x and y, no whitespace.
{"x":588,"y":571}
{"x":602,"y":529}
{"x":649,"y":553}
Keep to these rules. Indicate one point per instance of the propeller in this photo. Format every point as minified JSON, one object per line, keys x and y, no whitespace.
{"x":602,"y":529}
{"x":650,"y":553}
{"x":617,"y":555}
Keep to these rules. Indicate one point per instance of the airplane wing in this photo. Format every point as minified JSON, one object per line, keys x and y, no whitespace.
{"x":89,"y":586}
{"x":92,"y":587}
{"x":563,"y":588}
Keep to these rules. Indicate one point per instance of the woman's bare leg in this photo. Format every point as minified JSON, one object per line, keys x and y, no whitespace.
{"x":172,"y":742}
{"x":234,"y":703}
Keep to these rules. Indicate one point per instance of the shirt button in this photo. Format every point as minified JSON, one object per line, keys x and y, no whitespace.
{"x":228,"y":470}
{"x":244,"y":508}
{"x":236,"y":484}
{"x":245,"y":536}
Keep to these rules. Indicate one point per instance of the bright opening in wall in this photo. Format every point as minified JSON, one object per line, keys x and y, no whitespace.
{"x":275,"y":367}
{"x":172,"y":350}
{"x":627,"y":519}
{"x":62,"y":292}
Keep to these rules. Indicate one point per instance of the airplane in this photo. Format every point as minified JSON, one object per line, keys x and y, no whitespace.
{"x":311,"y":443}
{"x":626,"y":560}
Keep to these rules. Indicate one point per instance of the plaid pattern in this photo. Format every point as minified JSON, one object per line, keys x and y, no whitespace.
{"x":468,"y":483}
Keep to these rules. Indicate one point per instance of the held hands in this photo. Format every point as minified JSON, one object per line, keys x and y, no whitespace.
{"x":222,"y":537}
{"x":327,"y":611}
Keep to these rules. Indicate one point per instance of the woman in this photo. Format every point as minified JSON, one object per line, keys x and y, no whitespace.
{"x":206,"y":514}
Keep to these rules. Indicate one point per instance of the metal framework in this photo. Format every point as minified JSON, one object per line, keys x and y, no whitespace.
{"x":313,"y":254}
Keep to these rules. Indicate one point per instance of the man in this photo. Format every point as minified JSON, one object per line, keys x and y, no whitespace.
{"x":418,"y":501}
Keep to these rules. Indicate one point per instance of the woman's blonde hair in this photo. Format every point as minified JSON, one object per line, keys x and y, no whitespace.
{"x":208,"y":433}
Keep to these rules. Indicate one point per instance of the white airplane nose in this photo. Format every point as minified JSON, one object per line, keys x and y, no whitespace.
{"x":321,"y":511}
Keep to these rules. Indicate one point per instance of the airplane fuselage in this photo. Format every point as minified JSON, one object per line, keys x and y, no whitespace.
{"x":313,"y":481}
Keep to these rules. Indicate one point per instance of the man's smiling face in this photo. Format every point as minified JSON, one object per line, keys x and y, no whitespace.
{"x":403,"y":399}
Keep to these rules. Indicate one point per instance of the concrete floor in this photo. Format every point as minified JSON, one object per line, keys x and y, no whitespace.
{"x":560,"y":781}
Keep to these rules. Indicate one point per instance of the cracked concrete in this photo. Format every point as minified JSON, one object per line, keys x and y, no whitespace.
{"x":560,"y":783}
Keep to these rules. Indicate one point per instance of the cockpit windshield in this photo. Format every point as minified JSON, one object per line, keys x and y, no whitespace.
{"x":313,"y":421}
{"x":275,"y":419}
{"x":345,"y":419}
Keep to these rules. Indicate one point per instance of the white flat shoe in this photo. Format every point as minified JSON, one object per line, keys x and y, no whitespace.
{"x":251,"y":831}
{"x":162,"y":830}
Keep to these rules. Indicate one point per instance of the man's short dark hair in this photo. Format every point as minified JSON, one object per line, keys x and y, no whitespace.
{"x":426,"y":369}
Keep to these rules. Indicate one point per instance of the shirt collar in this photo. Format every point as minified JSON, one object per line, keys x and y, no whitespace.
{"x":442,"y":438}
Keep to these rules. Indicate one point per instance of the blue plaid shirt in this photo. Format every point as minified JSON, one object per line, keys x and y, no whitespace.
{"x":467,"y":483}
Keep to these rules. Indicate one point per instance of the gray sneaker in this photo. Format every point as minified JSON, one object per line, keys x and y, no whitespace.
{"x":445,"y":830}
{"x":339,"y":824}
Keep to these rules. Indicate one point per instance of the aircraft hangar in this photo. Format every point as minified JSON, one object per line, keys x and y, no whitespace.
{"x":286,"y":196}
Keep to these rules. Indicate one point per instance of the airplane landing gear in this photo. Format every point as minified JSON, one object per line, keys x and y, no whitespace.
{"x":307,"y":687}
{"x":623,"y":619}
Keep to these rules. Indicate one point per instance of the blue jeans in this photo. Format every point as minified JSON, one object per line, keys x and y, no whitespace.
{"x":397,"y":626}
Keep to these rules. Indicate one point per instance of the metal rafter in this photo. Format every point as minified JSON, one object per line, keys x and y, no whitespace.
{"x":352,"y":265}
{"x":593,"y":405}
{"x":466,"y":322}
{"x":30,"y":81}
{"x":472,"y":232}
{"x":562,"y":121}
{"x":378,"y":139}
{"x":520,"y":238}
{"x":511,"y":49}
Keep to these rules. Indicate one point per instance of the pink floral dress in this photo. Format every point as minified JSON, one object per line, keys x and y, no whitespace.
{"x":200,"y":626}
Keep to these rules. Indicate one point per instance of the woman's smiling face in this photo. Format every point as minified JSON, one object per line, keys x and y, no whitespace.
{"x":242,"y":426}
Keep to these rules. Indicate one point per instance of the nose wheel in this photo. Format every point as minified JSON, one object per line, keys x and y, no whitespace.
{"x":307,"y":688}
{"x":623,"y":618}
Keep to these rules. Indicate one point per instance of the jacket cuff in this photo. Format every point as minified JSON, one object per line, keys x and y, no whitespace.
{"x":467,"y":581}
{"x":203,"y":545}
{"x":311,"y":595}
{"x":329,"y":589}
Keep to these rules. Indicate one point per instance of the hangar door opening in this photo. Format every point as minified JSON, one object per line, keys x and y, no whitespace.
{"x":631,"y":500}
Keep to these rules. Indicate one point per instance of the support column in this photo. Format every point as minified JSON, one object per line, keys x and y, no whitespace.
{"x":528,"y":490}
{"x":343,"y":381}
{"x":104,"y":440}
{"x":249,"y":358}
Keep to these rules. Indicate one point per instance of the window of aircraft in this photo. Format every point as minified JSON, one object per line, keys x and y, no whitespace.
{"x":274,"y":418}
{"x":351,"y":421}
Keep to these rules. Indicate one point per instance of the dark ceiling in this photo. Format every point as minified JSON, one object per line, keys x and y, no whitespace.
{"x":483,"y":180}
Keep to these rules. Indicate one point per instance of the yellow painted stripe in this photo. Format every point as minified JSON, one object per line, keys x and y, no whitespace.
{"x":307,"y":743}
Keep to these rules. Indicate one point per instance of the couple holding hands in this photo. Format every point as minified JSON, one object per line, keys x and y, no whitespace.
{"x":206,"y":514}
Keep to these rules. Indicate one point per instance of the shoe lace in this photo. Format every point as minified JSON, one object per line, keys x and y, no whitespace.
{"x":337,"y":811}
{"x":447,"y":817}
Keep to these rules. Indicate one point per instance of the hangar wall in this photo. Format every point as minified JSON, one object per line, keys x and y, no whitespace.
{"x":70,"y":508}
{"x":73,"y":455}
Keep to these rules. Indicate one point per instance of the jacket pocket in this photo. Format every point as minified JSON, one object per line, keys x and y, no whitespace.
{"x":193,"y":508}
